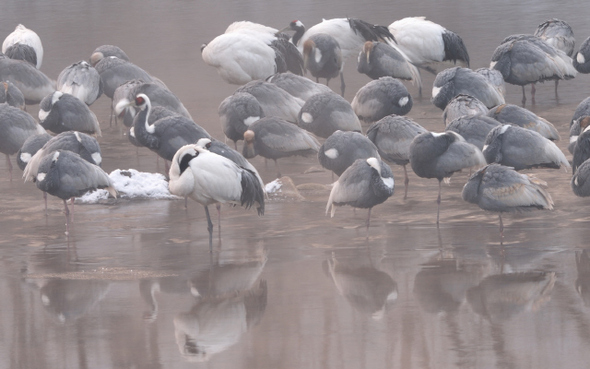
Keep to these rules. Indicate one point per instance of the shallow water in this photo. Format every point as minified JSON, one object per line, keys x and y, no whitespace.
{"x":134,"y":285}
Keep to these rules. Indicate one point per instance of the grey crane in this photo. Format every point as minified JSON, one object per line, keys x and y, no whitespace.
{"x":558,"y":34}
{"x":325,"y":113}
{"x":61,"y":112}
{"x":274,"y":138}
{"x":462,"y":105}
{"x":82,"y":81}
{"x":104,"y":51}
{"x":381,"y":59}
{"x":298,"y":86}
{"x":581,"y":180}
{"x":11,"y":95}
{"x":380,"y":98}
{"x":343,"y":148}
{"x":322,"y":57}
{"x":209,"y":178}
{"x":576,"y":129}
{"x":439,"y":155}
{"x":454,"y":81}
{"x":522,"y":148}
{"x":236,"y":113}
{"x":82,"y":144}
{"x":393,"y":135}
{"x":16,"y":126}
{"x":582,"y":57}
{"x":514,"y":114}
{"x":166,"y":135}
{"x":33,"y":83}
{"x":30,"y":147}
{"x":582,"y":110}
{"x":366,"y":183}
{"x":502,"y":189}
{"x":473,"y":128}
{"x":273,"y":100}
{"x":66,"y":175}
{"x":527,"y":59}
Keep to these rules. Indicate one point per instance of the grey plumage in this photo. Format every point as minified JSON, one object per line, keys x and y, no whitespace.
{"x":500,"y":188}
{"x":61,"y":112}
{"x":582,"y":57}
{"x":123,"y":92}
{"x":514,"y":114}
{"x":581,"y":180}
{"x":380,"y":98}
{"x":65,"y":174}
{"x":366,"y":183}
{"x":274,"y":100}
{"x":495,"y":78}
{"x":33,"y":83}
{"x":11,"y":95}
{"x":558,"y":34}
{"x":157,"y":113}
{"x":30,"y":147}
{"x":380,"y":59}
{"x":582,"y":110}
{"x":166,"y":135}
{"x":326,"y":113}
{"x":274,"y":138}
{"x":22,"y":52}
{"x":322,"y":57}
{"x":342,"y":149}
{"x":105,"y":51}
{"x":393,"y":135}
{"x":237,"y":112}
{"x":209,"y":178}
{"x":522,"y":148}
{"x":576,"y":129}
{"x":298,"y":86}
{"x":454,"y":81}
{"x":463,"y":105}
{"x":82,"y":81}
{"x":473,"y":128}
{"x":82,"y":144}
{"x":582,"y":149}
{"x":16,"y":127}
{"x":159,"y":96}
{"x":526,"y":59}
{"x":114,"y":72}
{"x":439,"y":155}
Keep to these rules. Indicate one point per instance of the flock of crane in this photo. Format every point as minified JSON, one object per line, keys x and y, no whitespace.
{"x":278,"y":112}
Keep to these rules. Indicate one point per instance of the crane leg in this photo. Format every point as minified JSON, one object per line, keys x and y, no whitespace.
{"x":368,"y":221}
{"x":406,"y":182}
{"x":438,"y":202}
{"x":523,"y":97}
{"x":501,"y":226}
{"x":67,"y":213}
{"x":533,"y":90}
{"x":342,"y":84}
{"x":209,"y":228}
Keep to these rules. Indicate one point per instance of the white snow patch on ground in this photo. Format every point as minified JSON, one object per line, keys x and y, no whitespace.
{"x":132,"y":184}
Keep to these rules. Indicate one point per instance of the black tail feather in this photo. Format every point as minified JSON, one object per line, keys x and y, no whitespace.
{"x":370,"y":32}
{"x":252,"y":191}
{"x":454,"y":47}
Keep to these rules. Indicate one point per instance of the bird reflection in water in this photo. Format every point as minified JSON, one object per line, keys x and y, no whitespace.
{"x":369,"y":290}
{"x":501,"y":297}
{"x":583,"y":280}
{"x":442,"y":284}
{"x":230,"y":301}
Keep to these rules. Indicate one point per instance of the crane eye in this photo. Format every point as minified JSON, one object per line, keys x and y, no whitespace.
{"x":208,"y":146}
{"x":139,"y":100}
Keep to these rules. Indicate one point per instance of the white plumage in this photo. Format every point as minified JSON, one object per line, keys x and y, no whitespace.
{"x":23,"y":35}
{"x":209,"y":178}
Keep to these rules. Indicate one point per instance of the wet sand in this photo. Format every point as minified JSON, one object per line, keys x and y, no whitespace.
{"x":134,"y":284}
